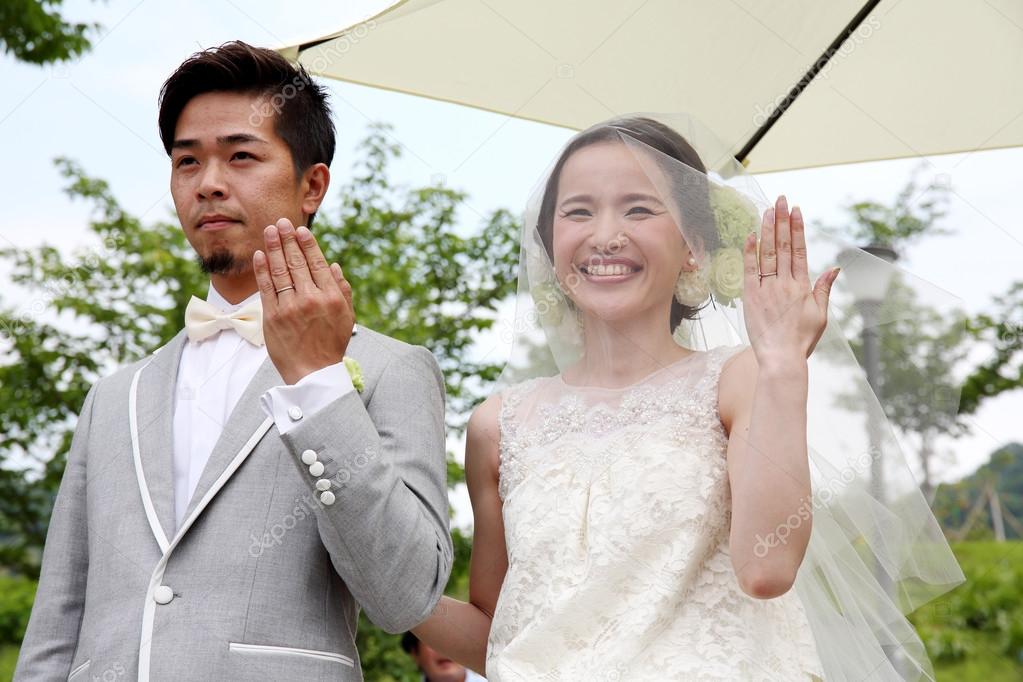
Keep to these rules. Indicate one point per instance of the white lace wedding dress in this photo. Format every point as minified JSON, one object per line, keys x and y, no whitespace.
{"x":616,"y":513}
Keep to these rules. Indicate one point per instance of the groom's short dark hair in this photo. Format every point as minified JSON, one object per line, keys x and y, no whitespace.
{"x":297,"y":104}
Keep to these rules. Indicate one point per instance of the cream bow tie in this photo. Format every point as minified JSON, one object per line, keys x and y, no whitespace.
{"x":203,"y":320}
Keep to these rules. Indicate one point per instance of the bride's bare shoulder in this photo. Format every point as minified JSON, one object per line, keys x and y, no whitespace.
{"x":485,"y":417}
{"x":483,"y":436}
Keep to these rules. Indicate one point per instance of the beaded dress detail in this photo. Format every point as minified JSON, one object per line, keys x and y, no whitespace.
{"x":616,"y":508}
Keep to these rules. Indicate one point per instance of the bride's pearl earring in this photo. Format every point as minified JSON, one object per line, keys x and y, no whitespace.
{"x":691,"y":287}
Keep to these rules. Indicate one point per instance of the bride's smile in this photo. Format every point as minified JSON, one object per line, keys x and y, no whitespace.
{"x":608,"y":270}
{"x":617,"y":248}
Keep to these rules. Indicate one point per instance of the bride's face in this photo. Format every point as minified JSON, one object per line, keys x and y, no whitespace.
{"x":617,"y":249}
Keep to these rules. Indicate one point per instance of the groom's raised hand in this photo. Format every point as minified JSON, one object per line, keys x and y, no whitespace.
{"x":307,"y":303}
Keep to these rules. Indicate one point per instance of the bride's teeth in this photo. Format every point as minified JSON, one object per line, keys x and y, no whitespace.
{"x":609,"y":270}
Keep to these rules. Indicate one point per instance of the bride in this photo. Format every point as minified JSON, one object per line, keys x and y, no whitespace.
{"x":643,"y":488}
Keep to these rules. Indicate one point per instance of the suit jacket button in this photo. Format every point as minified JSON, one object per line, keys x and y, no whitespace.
{"x":316,"y":468}
{"x":308,"y":457}
{"x":327,"y":498}
{"x":295,"y":412}
{"x":323,"y":484}
{"x":163,"y":594}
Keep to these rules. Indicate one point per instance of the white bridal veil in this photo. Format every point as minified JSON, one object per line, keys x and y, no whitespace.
{"x":876,"y":552}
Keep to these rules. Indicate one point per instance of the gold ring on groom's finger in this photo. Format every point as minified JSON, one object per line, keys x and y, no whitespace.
{"x":767,"y":274}
{"x":285,"y":288}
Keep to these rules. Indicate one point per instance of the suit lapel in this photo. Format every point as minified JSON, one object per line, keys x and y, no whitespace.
{"x":246,"y":417}
{"x":234,"y":442}
{"x":153,"y":404}
{"x":154,"y":415}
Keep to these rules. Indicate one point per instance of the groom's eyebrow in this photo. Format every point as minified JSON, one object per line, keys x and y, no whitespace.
{"x":224,"y":140}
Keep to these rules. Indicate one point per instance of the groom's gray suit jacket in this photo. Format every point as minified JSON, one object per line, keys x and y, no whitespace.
{"x":262,"y":581}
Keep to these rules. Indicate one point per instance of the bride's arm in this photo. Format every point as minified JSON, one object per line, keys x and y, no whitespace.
{"x":764,"y":413}
{"x":762,"y":397}
{"x":457,"y":629}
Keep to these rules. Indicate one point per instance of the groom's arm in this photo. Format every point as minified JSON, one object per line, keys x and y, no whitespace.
{"x":378,"y":468}
{"x":52,"y":635}
{"x":387,"y":527}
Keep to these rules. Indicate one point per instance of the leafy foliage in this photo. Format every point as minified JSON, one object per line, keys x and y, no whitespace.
{"x":415,"y":277}
{"x":35,"y":32}
{"x":16,"y":596}
{"x":920,"y":348}
{"x":79,"y":318}
{"x":982,"y":618}
{"x":1004,"y":473}
{"x":914,"y":214}
{"x":1001,"y":328}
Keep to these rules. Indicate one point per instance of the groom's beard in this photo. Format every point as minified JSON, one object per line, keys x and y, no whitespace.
{"x":219,"y":263}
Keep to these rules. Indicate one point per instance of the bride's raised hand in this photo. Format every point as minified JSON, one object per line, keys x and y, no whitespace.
{"x":784,"y":316}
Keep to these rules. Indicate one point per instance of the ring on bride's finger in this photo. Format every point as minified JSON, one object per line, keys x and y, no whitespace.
{"x":767,"y":274}
{"x":285,"y":288}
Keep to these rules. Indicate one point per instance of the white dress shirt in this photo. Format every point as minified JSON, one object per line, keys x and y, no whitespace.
{"x":212,"y":375}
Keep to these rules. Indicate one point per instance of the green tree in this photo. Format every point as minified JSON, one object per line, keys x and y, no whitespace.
{"x":416,"y":276}
{"x":1001,"y":329}
{"x":34,"y":31}
{"x":920,"y":347}
{"x":1003,"y":473}
{"x":913,"y":215}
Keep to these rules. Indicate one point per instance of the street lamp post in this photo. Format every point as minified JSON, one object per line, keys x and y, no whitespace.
{"x":868,"y":278}
{"x":869,"y":283}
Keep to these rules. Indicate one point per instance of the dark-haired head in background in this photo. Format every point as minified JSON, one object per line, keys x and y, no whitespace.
{"x":433,"y":666}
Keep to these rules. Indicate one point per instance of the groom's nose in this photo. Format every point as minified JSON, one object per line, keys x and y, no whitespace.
{"x":212,"y":181}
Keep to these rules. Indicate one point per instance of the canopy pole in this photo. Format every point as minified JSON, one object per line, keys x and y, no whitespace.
{"x":743,"y":155}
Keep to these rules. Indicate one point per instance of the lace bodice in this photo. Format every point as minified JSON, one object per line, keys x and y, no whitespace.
{"x":616,"y":510}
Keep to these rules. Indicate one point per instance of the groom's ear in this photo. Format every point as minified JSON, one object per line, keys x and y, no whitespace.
{"x":313,"y":188}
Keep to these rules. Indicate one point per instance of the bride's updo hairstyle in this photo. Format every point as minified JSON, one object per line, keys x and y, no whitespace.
{"x":668,"y":142}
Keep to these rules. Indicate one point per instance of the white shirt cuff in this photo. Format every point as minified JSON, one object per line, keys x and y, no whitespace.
{"x":306,"y":397}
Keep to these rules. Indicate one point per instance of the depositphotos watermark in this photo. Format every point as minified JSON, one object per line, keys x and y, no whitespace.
{"x":114,"y":672}
{"x":305,"y":506}
{"x":825,"y":63}
{"x":324,"y":58}
{"x":552,"y":300}
{"x":823,"y":496}
{"x":63,"y":283}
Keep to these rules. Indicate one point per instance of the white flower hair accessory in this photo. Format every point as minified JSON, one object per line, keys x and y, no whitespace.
{"x":720,"y":275}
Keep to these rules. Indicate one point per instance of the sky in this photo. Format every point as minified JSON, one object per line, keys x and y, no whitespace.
{"x":101,"y":109}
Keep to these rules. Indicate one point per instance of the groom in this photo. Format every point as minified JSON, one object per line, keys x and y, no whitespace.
{"x":232,"y":501}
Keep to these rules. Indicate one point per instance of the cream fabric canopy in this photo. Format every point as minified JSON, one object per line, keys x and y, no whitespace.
{"x":883,"y":79}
